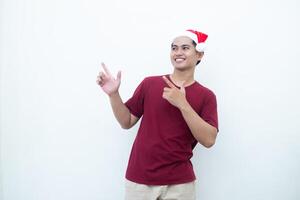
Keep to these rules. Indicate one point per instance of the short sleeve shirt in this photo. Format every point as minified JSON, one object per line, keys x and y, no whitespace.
{"x":164,"y":144}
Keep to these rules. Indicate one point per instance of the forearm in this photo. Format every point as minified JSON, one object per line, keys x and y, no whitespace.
{"x":203,"y":132}
{"x":120,"y":111}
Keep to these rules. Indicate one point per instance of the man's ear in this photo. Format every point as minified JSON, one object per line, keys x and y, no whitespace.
{"x":200,"y":55}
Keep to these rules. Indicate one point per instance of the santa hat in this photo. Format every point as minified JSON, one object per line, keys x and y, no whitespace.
{"x":198,"y":37}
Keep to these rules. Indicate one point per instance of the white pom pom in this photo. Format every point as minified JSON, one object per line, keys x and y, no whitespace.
{"x":201,"y":47}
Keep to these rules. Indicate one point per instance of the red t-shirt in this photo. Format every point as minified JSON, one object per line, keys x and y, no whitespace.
{"x":164,"y":144}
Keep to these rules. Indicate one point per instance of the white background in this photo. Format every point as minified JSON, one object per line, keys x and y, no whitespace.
{"x":59,"y":138}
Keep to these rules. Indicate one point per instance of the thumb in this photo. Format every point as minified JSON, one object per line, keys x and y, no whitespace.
{"x":119,"y":76}
{"x":182,"y":89}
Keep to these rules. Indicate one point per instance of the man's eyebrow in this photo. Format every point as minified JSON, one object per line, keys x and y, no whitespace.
{"x":184,"y":45}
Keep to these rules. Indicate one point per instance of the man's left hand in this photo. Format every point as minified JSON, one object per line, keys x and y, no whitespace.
{"x":173,"y":95}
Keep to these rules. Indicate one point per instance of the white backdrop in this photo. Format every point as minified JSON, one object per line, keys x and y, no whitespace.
{"x":59,"y":138}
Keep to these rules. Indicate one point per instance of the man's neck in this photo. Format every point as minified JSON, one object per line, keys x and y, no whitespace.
{"x":180,"y":77}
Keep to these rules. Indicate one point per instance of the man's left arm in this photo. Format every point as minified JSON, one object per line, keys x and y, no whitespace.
{"x":203,"y":132}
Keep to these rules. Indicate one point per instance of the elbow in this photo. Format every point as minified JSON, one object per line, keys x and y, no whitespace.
{"x":211,"y":140}
{"x":125,"y":126}
{"x":209,"y":144}
{"x":128,"y":122}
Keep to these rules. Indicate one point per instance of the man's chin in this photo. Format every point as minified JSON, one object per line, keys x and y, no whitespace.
{"x":180,"y":67}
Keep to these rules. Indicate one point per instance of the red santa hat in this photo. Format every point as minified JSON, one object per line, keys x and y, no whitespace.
{"x":198,"y":37}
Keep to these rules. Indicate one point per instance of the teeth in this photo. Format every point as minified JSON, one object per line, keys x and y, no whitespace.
{"x":179,"y":59}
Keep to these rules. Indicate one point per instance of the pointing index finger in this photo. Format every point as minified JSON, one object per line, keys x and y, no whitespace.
{"x":105,"y":69}
{"x":169,"y":83}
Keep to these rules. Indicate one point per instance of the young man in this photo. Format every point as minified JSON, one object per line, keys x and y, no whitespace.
{"x":177,"y":112}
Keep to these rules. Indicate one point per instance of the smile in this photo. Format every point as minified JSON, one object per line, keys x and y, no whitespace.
{"x":179,"y":59}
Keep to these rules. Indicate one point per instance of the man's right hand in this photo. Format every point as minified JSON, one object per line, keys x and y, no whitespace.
{"x":107,"y":82}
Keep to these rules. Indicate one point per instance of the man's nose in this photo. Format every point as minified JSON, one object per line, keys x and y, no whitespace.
{"x":179,"y":52}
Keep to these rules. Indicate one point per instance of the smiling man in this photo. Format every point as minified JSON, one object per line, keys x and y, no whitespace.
{"x":176,"y":112}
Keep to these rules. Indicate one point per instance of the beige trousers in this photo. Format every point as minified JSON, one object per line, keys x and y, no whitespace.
{"x":135,"y":191}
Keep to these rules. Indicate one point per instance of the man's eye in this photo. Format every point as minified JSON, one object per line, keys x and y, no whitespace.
{"x":185,"y":48}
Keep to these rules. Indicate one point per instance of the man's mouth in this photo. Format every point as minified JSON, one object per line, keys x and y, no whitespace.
{"x":179,"y":59}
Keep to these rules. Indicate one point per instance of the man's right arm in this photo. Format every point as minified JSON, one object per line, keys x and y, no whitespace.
{"x":121,"y":112}
{"x":110,"y":86}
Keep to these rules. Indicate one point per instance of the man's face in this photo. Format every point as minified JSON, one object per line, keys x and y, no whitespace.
{"x":183,"y":53}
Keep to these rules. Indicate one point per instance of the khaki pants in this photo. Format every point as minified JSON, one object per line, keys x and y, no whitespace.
{"x":135,"y":191}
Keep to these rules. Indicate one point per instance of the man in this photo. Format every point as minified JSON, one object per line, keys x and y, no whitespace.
{"x":177,"y":112}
